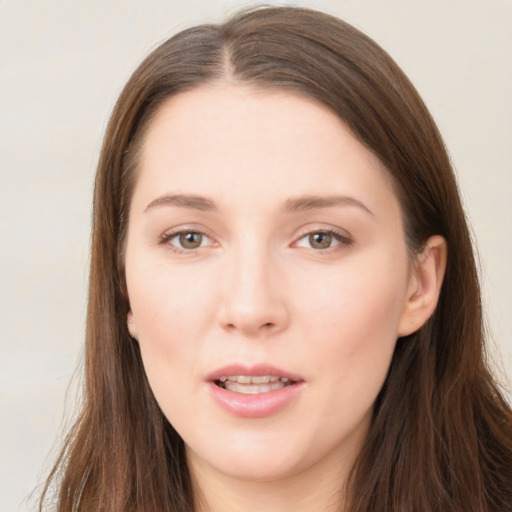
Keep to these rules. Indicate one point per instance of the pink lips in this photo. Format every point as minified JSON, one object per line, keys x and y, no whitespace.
{"x":258,"y":405}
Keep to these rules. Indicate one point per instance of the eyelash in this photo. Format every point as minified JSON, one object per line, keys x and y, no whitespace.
{"x":342,"y":240}
{"x":167,"y":237}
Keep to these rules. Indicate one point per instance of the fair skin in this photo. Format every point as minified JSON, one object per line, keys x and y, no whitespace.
{"x":264,"y":239}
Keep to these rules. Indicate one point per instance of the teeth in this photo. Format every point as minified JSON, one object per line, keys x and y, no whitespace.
{"x":263,"y":379}
{"x":253,"y":385}
{"x":253,"y":389}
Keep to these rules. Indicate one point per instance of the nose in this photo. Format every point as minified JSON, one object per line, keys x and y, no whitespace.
{"x":253,"y":302}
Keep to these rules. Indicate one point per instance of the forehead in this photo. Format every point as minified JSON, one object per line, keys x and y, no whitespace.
{"x":241,"y":142}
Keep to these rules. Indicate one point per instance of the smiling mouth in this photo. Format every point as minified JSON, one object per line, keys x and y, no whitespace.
{"x":252,"y":385}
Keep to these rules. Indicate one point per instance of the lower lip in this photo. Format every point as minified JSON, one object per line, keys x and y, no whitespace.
{"x":260,"y":405}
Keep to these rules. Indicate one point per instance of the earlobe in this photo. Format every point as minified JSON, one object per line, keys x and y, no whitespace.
{"x":424,"y":287}
{"x":132,"y":326}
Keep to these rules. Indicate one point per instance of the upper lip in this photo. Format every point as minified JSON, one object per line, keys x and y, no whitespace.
{"x":258,"y":370}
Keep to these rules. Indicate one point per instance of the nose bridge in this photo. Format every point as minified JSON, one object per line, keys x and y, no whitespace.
{"x":253,"y":300}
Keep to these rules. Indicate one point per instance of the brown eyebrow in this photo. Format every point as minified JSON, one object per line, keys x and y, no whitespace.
{"x":314,"y":202}
{"x":184,"y":201}
{"x":291,"y":205}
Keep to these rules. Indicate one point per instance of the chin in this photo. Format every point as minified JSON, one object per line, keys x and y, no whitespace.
{"x":261,"y":458}
{"x":266,"y":468}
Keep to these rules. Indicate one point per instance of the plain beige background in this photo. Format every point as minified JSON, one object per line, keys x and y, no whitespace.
{"x":62,"y":65}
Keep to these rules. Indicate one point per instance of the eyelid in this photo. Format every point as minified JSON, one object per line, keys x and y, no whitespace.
{"x":342,"y":238}
{"x":168,"y":235}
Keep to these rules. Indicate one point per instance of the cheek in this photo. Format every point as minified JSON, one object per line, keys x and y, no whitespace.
{"x":172,"y":312}
{"x":166,"y":301}
{"x":354,"y":322}
{"x":359,"y":302}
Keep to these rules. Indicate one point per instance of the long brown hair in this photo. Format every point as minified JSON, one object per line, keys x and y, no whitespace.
{"x":441,"y":436}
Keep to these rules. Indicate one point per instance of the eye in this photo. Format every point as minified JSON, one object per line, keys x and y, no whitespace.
{"x":183,"y":241}
{"x":322,"y":240}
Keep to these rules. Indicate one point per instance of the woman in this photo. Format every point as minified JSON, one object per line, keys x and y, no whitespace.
{"x":284,"y":311}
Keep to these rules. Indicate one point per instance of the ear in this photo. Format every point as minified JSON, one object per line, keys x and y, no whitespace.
{"x":424,"y":286}
{"x":132,"y":326}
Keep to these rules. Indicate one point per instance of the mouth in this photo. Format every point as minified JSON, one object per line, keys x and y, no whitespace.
{"x":254,"y":391}
{"x":252,"y":385}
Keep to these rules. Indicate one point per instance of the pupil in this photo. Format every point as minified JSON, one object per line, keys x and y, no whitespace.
{"x":320,"y":240}
{"x":190,"y":240}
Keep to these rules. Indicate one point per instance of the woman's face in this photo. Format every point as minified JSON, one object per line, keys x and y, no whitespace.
{"x":268,"y":280}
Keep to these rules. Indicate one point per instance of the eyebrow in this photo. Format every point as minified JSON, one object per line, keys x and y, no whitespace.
{"x":313,"y":202}
{"x":184,"y":201}
{"x":298,"y":204}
